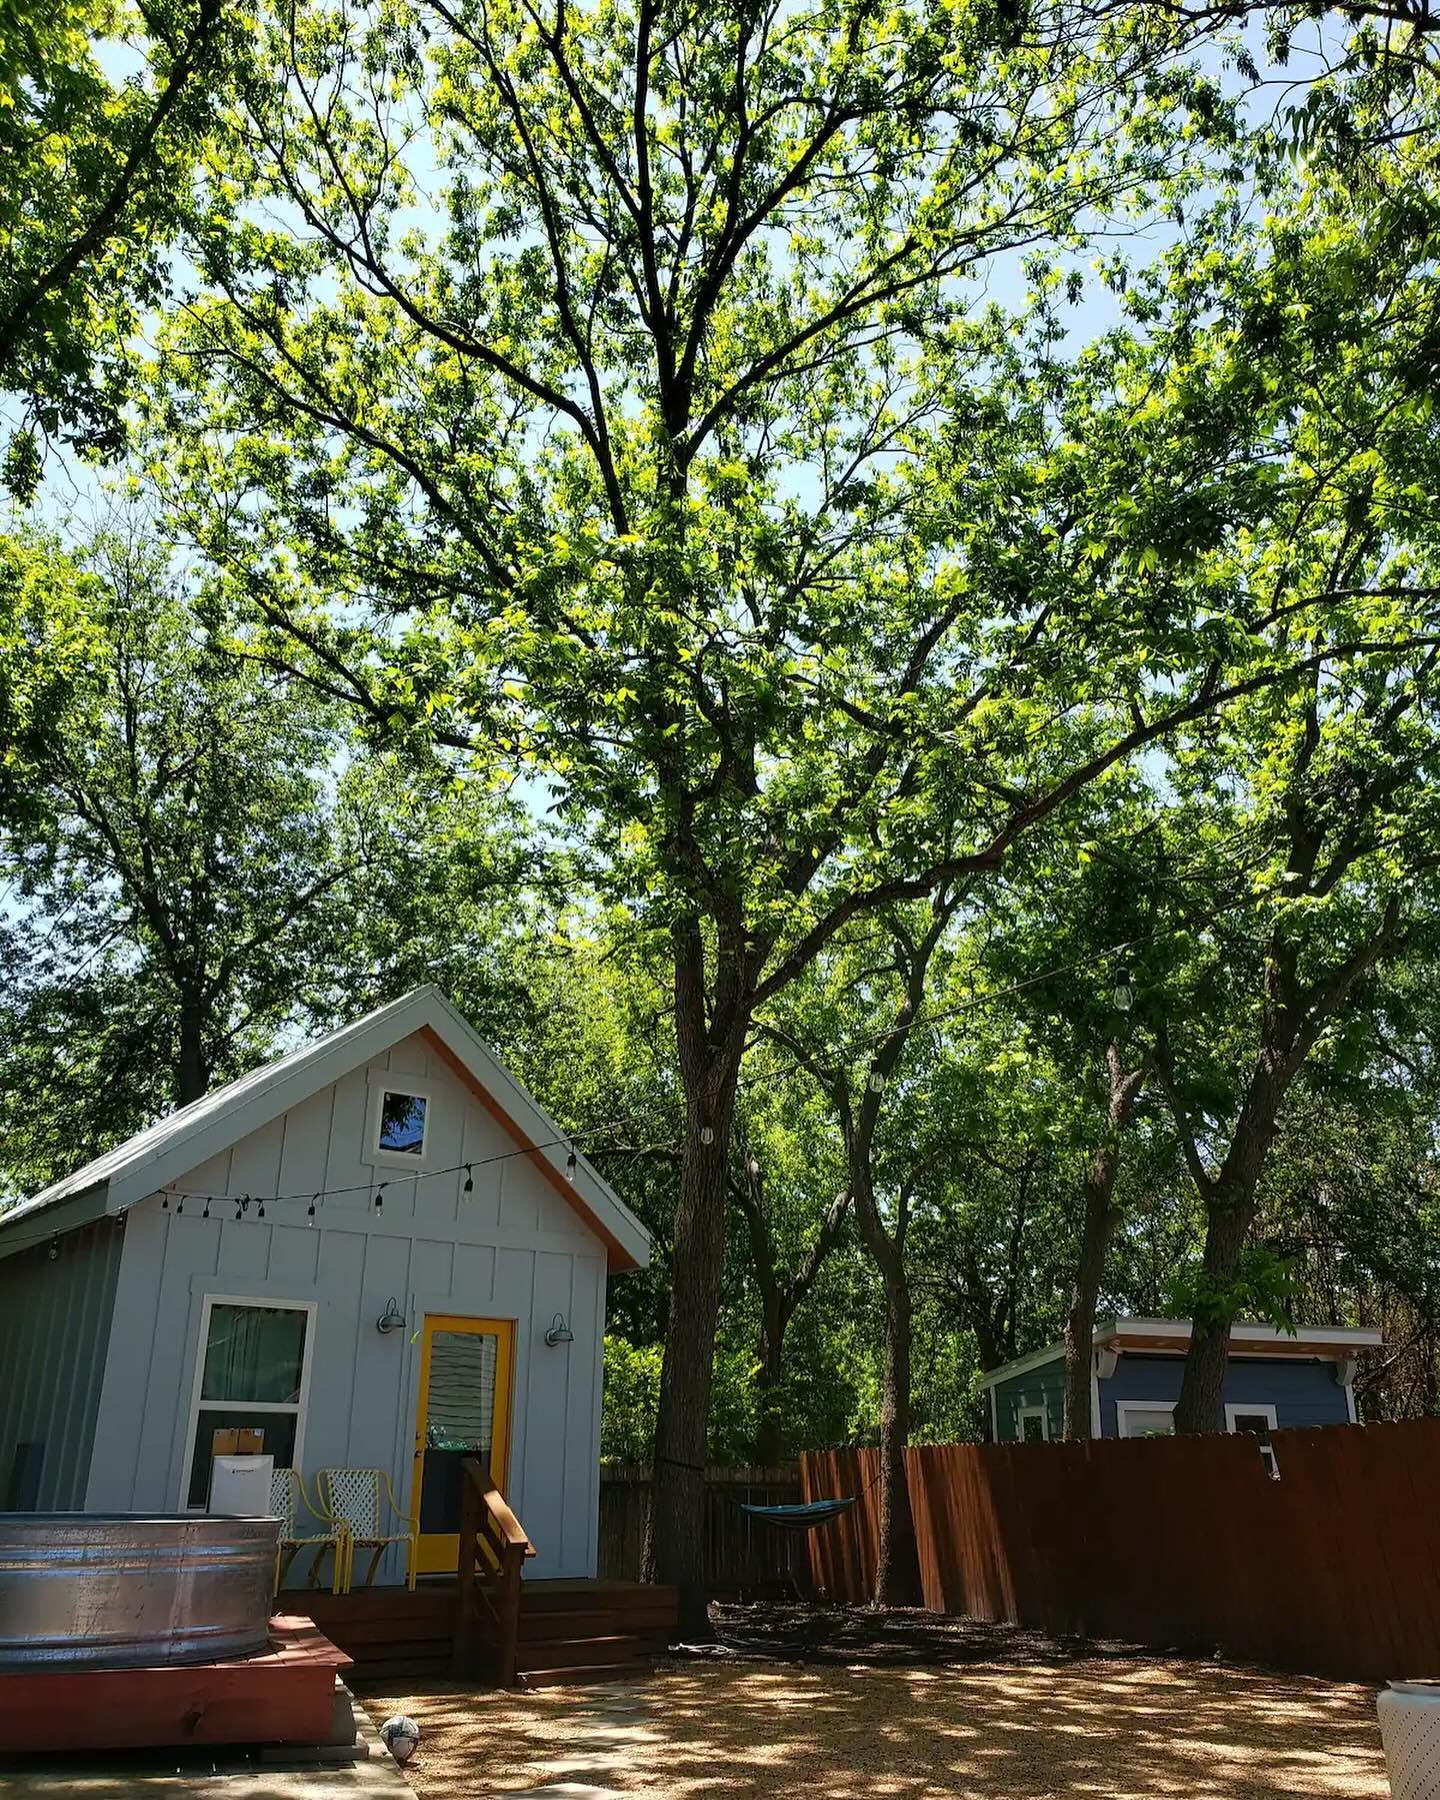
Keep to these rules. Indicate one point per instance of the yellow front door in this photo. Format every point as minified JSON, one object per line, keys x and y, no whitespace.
{"x":463,"y":1410}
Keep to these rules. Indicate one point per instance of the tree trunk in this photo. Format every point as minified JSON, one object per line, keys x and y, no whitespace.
{"x":1096,"y":1233}
{"x":771,"y":1434}
{"x":1098,"y":1228}
{"x":675,"y":1541}
{"x":192,"y":1074}
{"x":897,"y":1573}
{"x":1228,"y":1224}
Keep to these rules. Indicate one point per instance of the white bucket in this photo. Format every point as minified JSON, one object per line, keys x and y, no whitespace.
{"x":1410,"y":1731}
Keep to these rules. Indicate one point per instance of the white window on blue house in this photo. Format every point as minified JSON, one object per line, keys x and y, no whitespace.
{"x":1032,"y":1425}
{"x":1145,"y":1418}
{"x":251,"y":1376}
{"x":1256,"y":1420}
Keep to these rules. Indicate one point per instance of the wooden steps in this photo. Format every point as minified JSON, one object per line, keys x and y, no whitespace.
{"x":388,"y":1633}
{"x":570,"y":1631}
{"x":592,"y":1630}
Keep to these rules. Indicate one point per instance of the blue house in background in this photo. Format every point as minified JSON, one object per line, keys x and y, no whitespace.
{"x":1274,"y":1381}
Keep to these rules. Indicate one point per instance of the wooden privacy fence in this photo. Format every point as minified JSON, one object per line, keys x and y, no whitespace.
{"x":1181,"y":1543}
{"x":743,"y":1556}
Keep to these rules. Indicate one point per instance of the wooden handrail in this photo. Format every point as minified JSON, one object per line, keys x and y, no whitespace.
{"x":489,"y":1529}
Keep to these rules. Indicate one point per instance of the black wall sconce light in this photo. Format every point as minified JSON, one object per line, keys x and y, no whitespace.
{"x":392,"y":1319}
{"x":559,"y":1332}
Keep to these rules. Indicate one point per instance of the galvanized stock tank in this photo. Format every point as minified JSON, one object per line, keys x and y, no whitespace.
{"x":123,"y":1590}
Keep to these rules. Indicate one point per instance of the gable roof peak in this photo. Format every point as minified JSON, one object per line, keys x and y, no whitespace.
{"x":167,"y":1150}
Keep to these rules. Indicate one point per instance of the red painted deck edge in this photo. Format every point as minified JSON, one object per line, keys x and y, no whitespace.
{"x":285,"y":1694}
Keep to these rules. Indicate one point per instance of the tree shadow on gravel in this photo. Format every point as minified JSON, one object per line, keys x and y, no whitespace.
{"x":899,"y":1638}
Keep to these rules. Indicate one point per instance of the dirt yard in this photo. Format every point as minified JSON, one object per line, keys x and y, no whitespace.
{"x":1116,"y":1728}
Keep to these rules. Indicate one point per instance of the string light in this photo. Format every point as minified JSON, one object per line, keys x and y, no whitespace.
{"x":239,"y":1211}
{"x":780,"y":1072}
{"x":262,"y":1209}
{"x":876,"y":1083}
{"x":310,"y":1211}
{"x":570,"y":1162}
{"x":206,"y":1213}
{"x":55,"y":1247}
{"x":380,"y":1197}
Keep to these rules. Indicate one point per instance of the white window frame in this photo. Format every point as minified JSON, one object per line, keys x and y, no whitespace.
{"x":298,"y":1408}
{"x":1232,"y":1411}
{"x":380,"y":1086}
{"x":1267,"y":1450}
{"x":1022,"y":1413}
{"x":1124,"y":1409}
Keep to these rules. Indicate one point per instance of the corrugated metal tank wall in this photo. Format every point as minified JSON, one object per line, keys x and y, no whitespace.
{"x":54,"y":1334}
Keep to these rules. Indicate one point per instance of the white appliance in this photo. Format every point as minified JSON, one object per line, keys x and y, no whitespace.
{"x":241,"y":1485}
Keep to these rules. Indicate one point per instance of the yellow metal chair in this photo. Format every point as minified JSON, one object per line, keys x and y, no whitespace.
{"x":352,"y":1498}
{"x":287,"y":1494}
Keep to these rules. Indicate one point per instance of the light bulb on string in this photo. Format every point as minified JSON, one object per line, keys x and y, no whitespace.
{"x":206,"y":1213}
{"x":876,"y":1083}
{"x":469,"y":1179}
{"x":180,"y":1207}
{"x":239,"y":1212}
{"x":752,"y":1167}
{"x":707,"y":1135}
{"x":165,"y":1204}
{"x":570,"y":1163}
{"x":380,"y":1197}
{"x":261,"y":1211}
{"x":310,"y":1211}
{"x":1124,"y":994}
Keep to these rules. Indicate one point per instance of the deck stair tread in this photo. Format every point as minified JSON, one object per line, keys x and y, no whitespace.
{"x":593,"y":1626}
{"x":569,"y":1631}
{"x":570,"y":1652}
{"x":583,"y":1674}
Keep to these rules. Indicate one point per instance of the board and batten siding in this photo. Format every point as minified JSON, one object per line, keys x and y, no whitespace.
{"x":54,"y":1328}
{"x":512,"y":1249}
{"x":1044,"y":1386}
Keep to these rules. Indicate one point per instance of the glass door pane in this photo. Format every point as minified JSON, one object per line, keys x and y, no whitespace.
{"x":463,"y":1410}
{"x":459,"y":1420}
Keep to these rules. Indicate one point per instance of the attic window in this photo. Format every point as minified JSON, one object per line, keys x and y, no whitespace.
{"x":402,"y":1123}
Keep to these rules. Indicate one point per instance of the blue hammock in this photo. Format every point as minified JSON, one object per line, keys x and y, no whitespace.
{"x":800,"y":1518}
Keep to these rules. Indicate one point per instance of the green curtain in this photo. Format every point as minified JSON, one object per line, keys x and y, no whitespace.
{"x":254,"y":1353}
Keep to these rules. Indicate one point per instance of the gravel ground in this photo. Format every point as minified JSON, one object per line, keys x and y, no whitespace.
{"x":1039,"y":1721}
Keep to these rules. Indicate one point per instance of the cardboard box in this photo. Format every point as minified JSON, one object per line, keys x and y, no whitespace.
{"x":246,"y":1440}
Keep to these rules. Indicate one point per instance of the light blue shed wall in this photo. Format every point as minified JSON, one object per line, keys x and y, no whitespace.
{"x":54,"y":1329}
{"x":512,"y":1248}
{"x":1302,"y":1393}
{"x":1044,"y":1386}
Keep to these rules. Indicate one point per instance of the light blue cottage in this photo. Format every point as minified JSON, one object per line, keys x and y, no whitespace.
{"x":377,"y":1252}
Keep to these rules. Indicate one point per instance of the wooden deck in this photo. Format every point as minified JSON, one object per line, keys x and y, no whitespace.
{"x":570,"y":1631}
{"x":285,"y":1694}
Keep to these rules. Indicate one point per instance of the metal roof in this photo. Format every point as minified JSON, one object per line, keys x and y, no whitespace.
{"x":188,"y":1137}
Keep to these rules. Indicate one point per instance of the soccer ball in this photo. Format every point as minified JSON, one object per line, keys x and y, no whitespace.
{"x":400,"y":1736}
